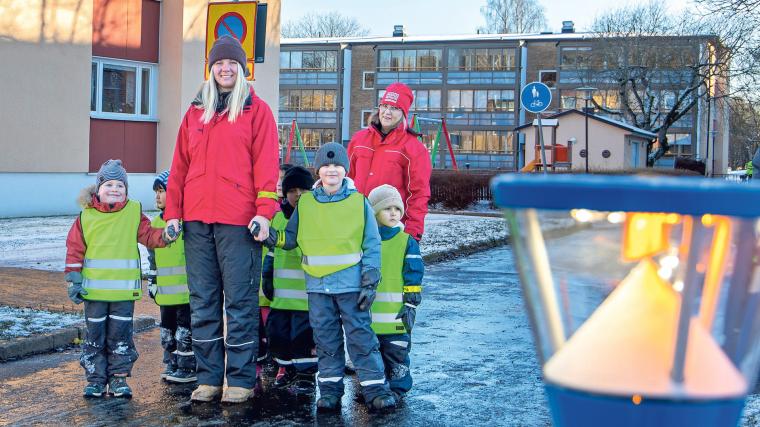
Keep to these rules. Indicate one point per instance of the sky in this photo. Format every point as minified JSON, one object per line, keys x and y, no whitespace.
{"x":430,"y":17}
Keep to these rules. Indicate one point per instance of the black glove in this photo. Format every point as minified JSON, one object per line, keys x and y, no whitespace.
{"x":408,"y":312}
{"x":267,"y":286}
{"x":75,"y":289}
{"x":370,"y":280}
{"x":407,"y":315}
{"x":170,"y":235}
{"x":152,"y":287}
{"x":271,"y":240}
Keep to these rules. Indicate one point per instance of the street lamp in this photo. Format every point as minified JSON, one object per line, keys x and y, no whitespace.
{"x":587,"y":96}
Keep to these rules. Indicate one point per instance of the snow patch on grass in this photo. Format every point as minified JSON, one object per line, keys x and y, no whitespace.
{"x":23,"y":322}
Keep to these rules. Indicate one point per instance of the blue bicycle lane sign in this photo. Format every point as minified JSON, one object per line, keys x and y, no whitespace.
{"x":536,"y":97}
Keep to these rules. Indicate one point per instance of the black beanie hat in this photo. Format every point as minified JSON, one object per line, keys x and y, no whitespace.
{"x":227,"y":47}
{"x":297,"y":177}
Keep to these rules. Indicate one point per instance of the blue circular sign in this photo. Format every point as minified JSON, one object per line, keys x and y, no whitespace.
{"x":536,"y":97}
{"x":231,"y":24}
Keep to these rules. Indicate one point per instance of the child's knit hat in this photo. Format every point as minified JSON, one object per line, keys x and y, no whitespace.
{"x":161,"y":181}
{"x":385,"y":196}
{"x":111,"y":170}
{"x":297,"y":177}
{"x":331,"y":153}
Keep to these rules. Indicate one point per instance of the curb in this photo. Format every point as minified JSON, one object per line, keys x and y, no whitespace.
{"x":468,"y":213}
{"x":462,"y":251}
{"x":18,"y":348}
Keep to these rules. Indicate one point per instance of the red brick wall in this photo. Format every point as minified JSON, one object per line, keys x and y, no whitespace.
{"x":132,"y":142}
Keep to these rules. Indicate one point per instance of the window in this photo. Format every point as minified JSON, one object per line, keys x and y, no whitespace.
{"x":481,"y":100}
{"x":680,"y":144}
{"x":309,"y":60}
{"x":481,"y":59}
{"x":548,"y":77}
{"x":366,"y":115}
{"x":311,"y":137}
{"x":123,"y":90}
{"x":484,"y":141}
{"x":307,"y":99}
{"x":410,"y":59}
{"x":571,"y":99}
{"x":424,"y":99}
{"x":368,"y":80}
{"x":575,"y":58}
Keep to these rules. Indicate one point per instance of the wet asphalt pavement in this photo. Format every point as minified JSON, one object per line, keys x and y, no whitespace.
{"x":472,"y":361}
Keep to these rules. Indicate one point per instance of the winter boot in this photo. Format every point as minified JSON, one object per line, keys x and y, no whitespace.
{"x":94,"y":390}
{"x":168,"y":371}
{"x":303,"y":383}
{"x":236,"y":394}
{"x":118,"y":387}
{"x":384,"y":401}
{"x":182,"y":376}
{"x":328,"y":403}
{"x":284,"y":377}
{"x":206,"y":393}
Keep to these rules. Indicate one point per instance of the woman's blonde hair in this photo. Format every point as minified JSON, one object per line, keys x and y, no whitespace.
{"x":235,"y":102}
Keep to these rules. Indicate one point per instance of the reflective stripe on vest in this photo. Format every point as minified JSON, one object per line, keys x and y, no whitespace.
{"x":390,"y":291}
{"x":330,"y":234}
{"x":171,"y":273}
{"x":289,"y":278}
{"x":111,"y":269}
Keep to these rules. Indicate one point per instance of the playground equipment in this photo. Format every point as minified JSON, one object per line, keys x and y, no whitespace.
{"x":652,"y":318}
{"x":556,"y":156}
{"x":294,"y":135}
{"x":441,"y":132}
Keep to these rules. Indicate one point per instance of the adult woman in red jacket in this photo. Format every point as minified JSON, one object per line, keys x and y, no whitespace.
{"x":388,"y":152}
{"x":224,"y":176}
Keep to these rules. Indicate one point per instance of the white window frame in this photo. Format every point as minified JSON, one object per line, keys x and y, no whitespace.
{"x":152,"y":115}
{"x":363,"y":124}
{"x":364,"y":79}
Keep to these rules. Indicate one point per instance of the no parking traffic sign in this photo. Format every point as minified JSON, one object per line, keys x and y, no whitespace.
{"x":236,"y":19}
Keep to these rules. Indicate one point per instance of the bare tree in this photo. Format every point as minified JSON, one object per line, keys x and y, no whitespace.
{"x":513,"y":16}
{"x":331,"y":24}
{"x":744,"y":124}
{"x":660,"y":65}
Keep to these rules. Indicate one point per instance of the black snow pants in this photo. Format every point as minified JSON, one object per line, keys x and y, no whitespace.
{"x":176,"y":337}
{"x":291,"y":340}
{"x":108,"y":348}
{"x":223,"y":270}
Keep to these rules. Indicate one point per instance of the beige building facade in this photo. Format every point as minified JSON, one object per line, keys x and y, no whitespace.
{"x":85,"y":81}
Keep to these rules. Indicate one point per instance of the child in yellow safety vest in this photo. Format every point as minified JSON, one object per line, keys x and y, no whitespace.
{"x":283,"y":281}
{"x":400,"y":289}
{"x":167,"y":285}
{"x":335,"y":229}
{"x":103,"y":271}
{"x":263,"y":358}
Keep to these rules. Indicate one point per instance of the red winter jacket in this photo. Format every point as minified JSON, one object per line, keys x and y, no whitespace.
{"x":76,"y":246}
{"x":399,"y":160}
{"x":225,"y":172}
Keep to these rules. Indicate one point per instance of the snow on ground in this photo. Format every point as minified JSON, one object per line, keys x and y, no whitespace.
{"x":40,"y":242}
{"x":22,"y":322}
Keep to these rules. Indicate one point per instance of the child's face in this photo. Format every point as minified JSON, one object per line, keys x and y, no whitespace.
{"x":389,"y":216}
{"x":279,"y":184}
{"x":332,"y":175}
{"x":160,"y":199}
{"x":293,"y":195}
{"x":112,"y":191}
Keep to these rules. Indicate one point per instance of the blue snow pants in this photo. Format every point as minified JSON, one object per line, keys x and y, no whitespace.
{"x":327,"y":313}
{"x":395,"y":351}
